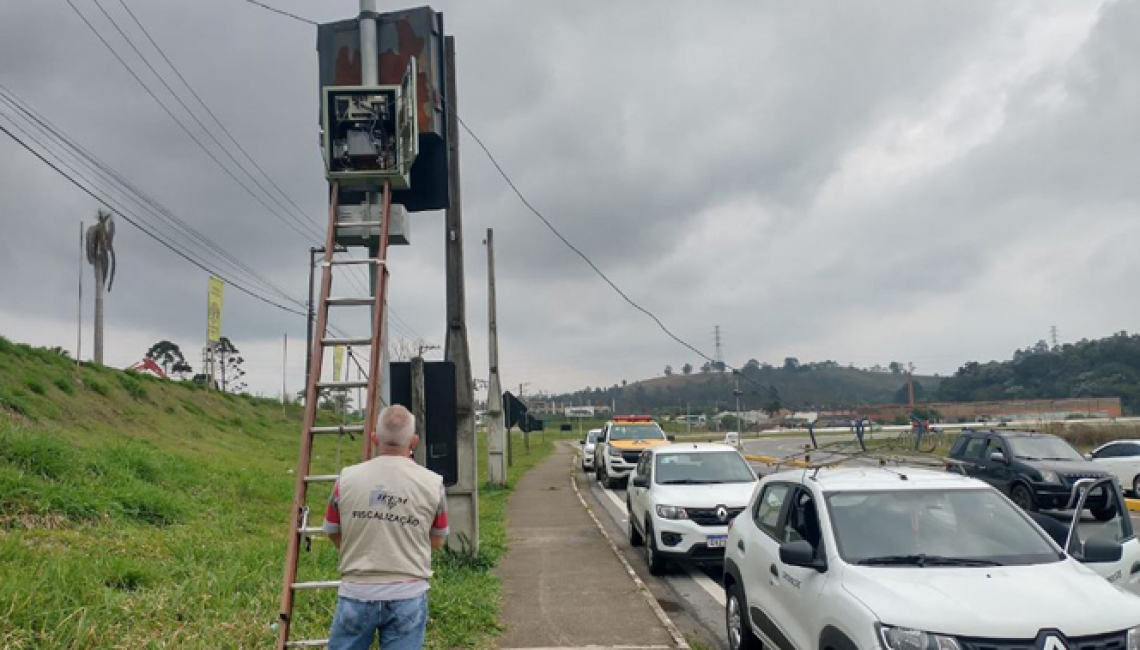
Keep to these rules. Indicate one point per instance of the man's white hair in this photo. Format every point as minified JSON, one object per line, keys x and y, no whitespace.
{"x":397,"y":427}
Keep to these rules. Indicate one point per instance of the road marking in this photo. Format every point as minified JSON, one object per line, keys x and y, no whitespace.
{"x":703,"y":581}
{"x":708,"y":584}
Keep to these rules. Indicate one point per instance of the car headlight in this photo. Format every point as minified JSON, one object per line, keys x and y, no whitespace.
{"x":614,"y":451}
{"x":1134,"y":638}
{"x":1049,"y":476}
{"x":901,"y":638}
{"x":673,"y":512}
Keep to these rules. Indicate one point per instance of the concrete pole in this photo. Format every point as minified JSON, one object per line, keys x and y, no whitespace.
{"x":462,"y":498}
{"x":79,"y":316}
{"x":99,"y":289}
{"x":369,"y":59}
{"x":419,"y":409}
{"x":496,"y":436}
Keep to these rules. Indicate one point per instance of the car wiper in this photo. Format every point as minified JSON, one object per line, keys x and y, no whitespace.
{"x":684,"y":481}
{"x":923,"y":560}
{"x":1030,"y":458}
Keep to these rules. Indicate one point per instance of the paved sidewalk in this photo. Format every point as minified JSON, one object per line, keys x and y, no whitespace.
{"x":563,"y":586}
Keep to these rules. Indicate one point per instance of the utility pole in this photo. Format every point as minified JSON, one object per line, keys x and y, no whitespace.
{"x":910,"y":385}
{"x":719,"y":349}
{"x":284,"y":371}
{"x":419,"y":409}
{"x":1053,"y":333}
{"x":311,"y":315}
{"x":496,"y":436}
{"x":462,"y":498}
{"x":79,"y":319}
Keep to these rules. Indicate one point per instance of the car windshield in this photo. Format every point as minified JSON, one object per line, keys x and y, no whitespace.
{"x":702,"y":467}
{"x":975,"y":527}
{"x":1042,"y":448}
{"x":647,"y":431}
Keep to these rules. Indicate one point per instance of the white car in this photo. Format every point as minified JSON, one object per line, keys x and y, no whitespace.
{"x":680,"y":499}
{"x":910,"y":559}
{"x":1122,"y":458}
{"x":588,"y":449}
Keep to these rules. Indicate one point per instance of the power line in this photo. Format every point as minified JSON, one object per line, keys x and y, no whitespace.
{"x":64,"y":143}
{"x":307,"y":236}
{"x":282,"y":12}
{"x":586,"y":258}
{"x":138,"y":225}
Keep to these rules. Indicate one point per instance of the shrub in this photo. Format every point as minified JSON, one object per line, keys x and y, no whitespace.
{"x":35,"y":385}
{"x":98,"y":387}
{"x":15,"y":402}
{"x":37,"y":454}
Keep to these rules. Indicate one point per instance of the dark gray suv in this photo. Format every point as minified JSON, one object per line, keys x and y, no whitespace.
{"x":1036,"y":470}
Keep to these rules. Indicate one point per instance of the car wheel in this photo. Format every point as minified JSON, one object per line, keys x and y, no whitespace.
{"x":740,"y":636}
{"x":1023,"y":497}
{"x":1136,"y":486}
{"x":1104,"y":514}
{"x":635,"y":538}
{"x":652,"y":557}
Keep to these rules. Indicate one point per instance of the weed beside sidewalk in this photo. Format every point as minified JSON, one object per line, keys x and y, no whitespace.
{"x":465,"y":595}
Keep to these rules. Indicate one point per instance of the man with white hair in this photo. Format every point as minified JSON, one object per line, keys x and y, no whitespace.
{"x":386,"y":516}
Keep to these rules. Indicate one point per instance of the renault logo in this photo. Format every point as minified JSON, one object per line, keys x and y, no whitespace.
{"x":722,"y":515}
{"x":1053,"y":642}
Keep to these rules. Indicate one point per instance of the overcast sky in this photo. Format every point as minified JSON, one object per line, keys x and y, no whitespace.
{"x":933,"y":182}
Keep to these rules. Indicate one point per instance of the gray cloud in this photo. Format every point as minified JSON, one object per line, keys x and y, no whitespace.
{"x":936,"y":182}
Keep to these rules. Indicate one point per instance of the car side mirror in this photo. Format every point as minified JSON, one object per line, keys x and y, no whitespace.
{"x":997,"y":457}
{"x":800,"y":553}
{"x":1098,"y":549}
{"x":640,"y":481}
{"x":671,"y":438}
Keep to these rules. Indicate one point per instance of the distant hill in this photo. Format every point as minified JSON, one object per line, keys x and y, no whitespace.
{"x":1107,"y":367}
{"x":810,"y":386}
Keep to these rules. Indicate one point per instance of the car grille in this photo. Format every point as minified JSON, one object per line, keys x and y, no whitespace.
{"x":1114,"y":641}
{"x":707,"y":516}
{"x":631,"y":456}
{"x":1073,"y":477}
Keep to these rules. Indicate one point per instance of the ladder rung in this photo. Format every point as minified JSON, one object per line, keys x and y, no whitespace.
{"x":359,"y":224}
{"x":350,"y":302}
{"x":353,"y":261}
{"x":312,"y":532}
{"x":321,"y":478}
{"x":326,"y":584}
{"x":346,"y":341}
{"x":308,"y":643}
{"x":342,"y":384}
{"x":340,"y":428}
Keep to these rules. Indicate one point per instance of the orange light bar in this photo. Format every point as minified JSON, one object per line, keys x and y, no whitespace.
{"x":633,"y":418}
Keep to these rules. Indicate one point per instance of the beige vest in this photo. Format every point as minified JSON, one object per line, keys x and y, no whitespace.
{"x":387,"y":506}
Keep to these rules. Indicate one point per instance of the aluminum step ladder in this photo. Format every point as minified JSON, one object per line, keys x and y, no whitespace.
{"x":299,"y":528}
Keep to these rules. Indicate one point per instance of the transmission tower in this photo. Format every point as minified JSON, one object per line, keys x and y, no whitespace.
{"x":1053,"y":334}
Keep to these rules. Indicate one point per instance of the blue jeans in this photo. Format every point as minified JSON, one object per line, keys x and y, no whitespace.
{"x":401,"y":624}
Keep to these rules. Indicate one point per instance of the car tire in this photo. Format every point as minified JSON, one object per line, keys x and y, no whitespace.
{"x":611,"y":483}
{"x":652,"y":556}
{"x":1104,"y":514}
{"x":598,"y":474}
{"x":635,"y":538}
{"x":1023,"y":497}
{"x":1136,"y":486}
{"x":737,"y":629}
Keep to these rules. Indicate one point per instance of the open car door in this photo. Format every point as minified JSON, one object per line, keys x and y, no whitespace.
{"x":1090,"y":541}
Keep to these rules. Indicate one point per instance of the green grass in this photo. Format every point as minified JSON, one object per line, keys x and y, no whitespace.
{"x":139,"y":513}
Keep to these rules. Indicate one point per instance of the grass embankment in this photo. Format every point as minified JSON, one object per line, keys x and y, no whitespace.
{"x":140,"y":513}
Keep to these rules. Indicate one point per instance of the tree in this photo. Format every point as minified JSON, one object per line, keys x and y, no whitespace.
{"x":181,"y":368}
{"x":99,"y":244}
{"x":687,"y":369}
{"x":902,"y":395}
{"x":719,"y":366}
{"x":752,"y":364}
{"x":668,"y":371}
{"x":230,"y":362}
{"x":706,"y":367}
{"x":791,"y":363}
{"x":774,"y":403}
{"x":166,"y":354}
{"x":895,"y":367}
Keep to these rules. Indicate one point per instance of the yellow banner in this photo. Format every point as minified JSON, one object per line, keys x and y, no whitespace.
{"x":338,"y":362}
{"x":214,"y":310}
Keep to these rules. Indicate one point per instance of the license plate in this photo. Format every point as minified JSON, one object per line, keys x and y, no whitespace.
{"x":717,"y":541}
